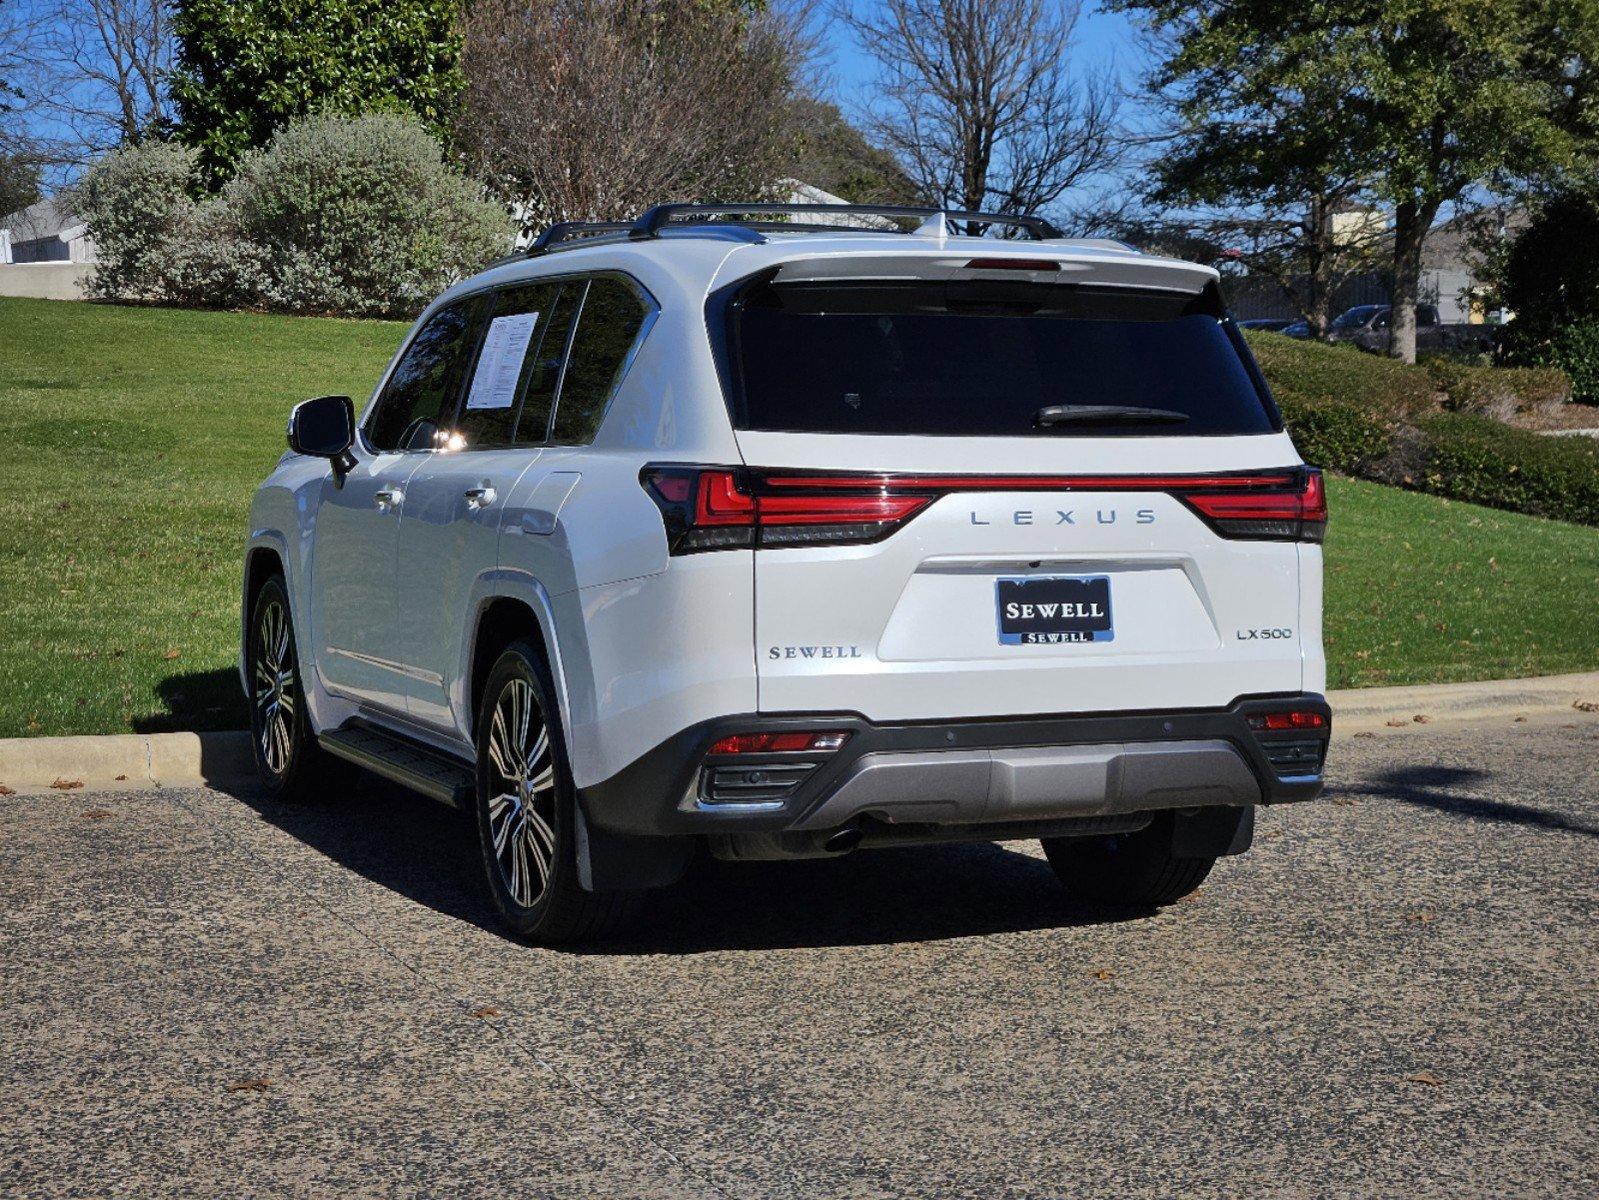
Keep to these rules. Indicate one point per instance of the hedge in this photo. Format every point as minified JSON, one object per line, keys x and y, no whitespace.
{"x":1382,"y":420}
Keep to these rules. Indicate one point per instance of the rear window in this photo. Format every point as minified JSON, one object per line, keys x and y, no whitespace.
{"x":986,"y":359}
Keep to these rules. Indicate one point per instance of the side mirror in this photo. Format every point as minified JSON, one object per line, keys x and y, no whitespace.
{"x":324,"y":428}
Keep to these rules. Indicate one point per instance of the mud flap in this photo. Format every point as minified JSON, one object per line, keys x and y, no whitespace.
{"x":617,"y":862}
{"x":1213,"y":832}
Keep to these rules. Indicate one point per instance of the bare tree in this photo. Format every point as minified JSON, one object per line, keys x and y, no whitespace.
{"x":978,"y":99}
{"x":594,"y":109}
{"x":97,"y":77}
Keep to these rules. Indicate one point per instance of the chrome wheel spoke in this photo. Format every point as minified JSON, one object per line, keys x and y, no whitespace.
{"x":522,"y":777}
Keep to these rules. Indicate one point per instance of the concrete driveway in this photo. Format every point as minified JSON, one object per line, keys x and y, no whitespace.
{"x":1393,"y":995}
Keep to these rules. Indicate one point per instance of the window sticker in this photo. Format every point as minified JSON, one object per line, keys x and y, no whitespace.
{"x":500,"y":364}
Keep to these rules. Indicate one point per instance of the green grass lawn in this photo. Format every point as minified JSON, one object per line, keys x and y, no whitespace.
{"x":131,"y":439}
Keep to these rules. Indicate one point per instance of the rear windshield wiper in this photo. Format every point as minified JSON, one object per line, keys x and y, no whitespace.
{"x":1105,"y":414}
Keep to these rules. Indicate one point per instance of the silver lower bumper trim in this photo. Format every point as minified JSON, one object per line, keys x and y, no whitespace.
{"x":972,"y":787}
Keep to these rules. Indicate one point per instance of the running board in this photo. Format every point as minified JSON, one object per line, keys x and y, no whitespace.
{"x":435,"y":775}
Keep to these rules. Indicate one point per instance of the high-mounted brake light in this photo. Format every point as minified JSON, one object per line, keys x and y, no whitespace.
{"x":1013,"y":264}
{"x":719,"y":508}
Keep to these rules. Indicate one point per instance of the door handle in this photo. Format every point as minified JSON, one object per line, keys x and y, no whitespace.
{"x":388,"y":497}
{"x":479,"y":497}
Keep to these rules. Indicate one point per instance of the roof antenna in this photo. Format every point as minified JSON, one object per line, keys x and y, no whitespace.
{"x":935,"y":226}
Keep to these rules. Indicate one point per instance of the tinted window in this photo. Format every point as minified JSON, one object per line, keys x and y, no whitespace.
{"x":613,"y":314}
{"x":975,"y":359}
{"x":544,"y":368}
{"x":507,"y":359}
{"x":423,"y":387}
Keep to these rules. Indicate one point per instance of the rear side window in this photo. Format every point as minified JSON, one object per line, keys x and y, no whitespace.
{"x":609,"y":325}
{"x":507,"y":360}
{"x":544,"y":367}
{"x":422,"y":389}
{"x":975,"y":359}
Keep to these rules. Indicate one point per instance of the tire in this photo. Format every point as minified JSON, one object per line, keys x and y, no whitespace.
{"x":290,"y":764}
{"x":526,"y":810}
{"x":1135,"y":870}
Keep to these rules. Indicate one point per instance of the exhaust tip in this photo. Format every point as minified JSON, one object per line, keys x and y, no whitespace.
{"x":844,"y":840}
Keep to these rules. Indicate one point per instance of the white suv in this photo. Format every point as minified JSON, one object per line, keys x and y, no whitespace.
{"x":791,"y":530}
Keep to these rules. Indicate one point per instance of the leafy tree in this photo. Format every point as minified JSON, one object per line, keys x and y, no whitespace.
{"x":832,"y":154}
{"x":1263,"y":153}
{"x":1422,"y":102}
{"x":19,"y":183}
{"x":1549,"y":277}
{"x":245,"y":67}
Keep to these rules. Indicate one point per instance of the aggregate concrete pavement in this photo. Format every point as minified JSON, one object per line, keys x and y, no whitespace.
{"x":1393,"y":994}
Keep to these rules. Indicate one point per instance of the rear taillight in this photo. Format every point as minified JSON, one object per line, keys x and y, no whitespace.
{"x":717,"y":508}
{"x":720,"y":508}
{"x":1293,"y":510}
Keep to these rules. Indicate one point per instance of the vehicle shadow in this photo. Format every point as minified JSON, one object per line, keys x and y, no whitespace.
{"x":428,"y":854}
{"x":1436,"y":787}
{"x":198,"y":701}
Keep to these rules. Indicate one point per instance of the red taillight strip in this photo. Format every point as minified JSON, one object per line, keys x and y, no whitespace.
{"x":1282,"y":504}
{"x":940,"y":484}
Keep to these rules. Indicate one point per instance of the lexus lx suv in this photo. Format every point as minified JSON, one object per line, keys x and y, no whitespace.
{"x":787,"y":531}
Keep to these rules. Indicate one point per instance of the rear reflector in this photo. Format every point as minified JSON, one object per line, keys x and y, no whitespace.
{"x":777,"y":743}
{"x":719,"y":508}
{"x":1277,"y":721}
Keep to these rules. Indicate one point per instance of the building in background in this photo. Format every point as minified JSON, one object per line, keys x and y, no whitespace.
{"x":45,"y":251}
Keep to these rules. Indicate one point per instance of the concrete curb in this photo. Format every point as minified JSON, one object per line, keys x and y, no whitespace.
{"x":1369,"y":708}
{"x":124,"y":760}
{"x":186,"y":759}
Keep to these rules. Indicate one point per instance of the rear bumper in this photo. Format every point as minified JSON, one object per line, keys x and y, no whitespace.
{"x":965,"y":774}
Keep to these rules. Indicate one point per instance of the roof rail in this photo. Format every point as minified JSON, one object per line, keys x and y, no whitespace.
{"x":565,"y":231}
{"x":651,"y":223}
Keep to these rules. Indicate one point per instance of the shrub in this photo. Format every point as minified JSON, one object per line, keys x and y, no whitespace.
{"x":1307,"y":373}
{"x":134,"y":201}
{"x":1340,"y":437}
{"x":1471,"y":458}
{"x":1499,"y":392}
{"x":1572,"y":348}
{"x":361,"y":216}
{"x":351,"y":216}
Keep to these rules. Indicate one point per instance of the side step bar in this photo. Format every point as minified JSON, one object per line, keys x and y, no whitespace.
{"x":435,"y":775}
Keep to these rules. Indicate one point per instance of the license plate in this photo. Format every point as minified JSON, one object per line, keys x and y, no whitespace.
{"x":1054,"y":609}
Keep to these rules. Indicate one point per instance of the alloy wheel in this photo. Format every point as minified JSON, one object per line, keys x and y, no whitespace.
{"x":276,"y":691}
{"x":521,"y":772}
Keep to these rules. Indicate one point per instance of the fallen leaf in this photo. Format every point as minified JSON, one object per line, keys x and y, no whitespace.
{"x":1191,"y":897}
{"x":258,"y":1084}
{"x":1343,"y":802}
{"x":1585,"y":705}
{"x":1421,"y":719}
{"x":1521,"y":720}
{"x":1426,"y":1077}
{"x":66,"y":785}
{"x":97,"y":814}
{"x":1423,"y":917}
{"x":120,"y":778}
{"x":1396,"y":723}
{"x":488,"y":1010}
{"x":1365,"y":733}
{"x":1104,"y":973}
{"x":5,"y":791}
{"x":171,"y":654}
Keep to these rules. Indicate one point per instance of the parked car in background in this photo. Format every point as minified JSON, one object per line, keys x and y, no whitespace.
{"x":1268,"y":324}
{"x":1369,"y":326}
{"x":783,"y":539}
{"x":1297,"y":329}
